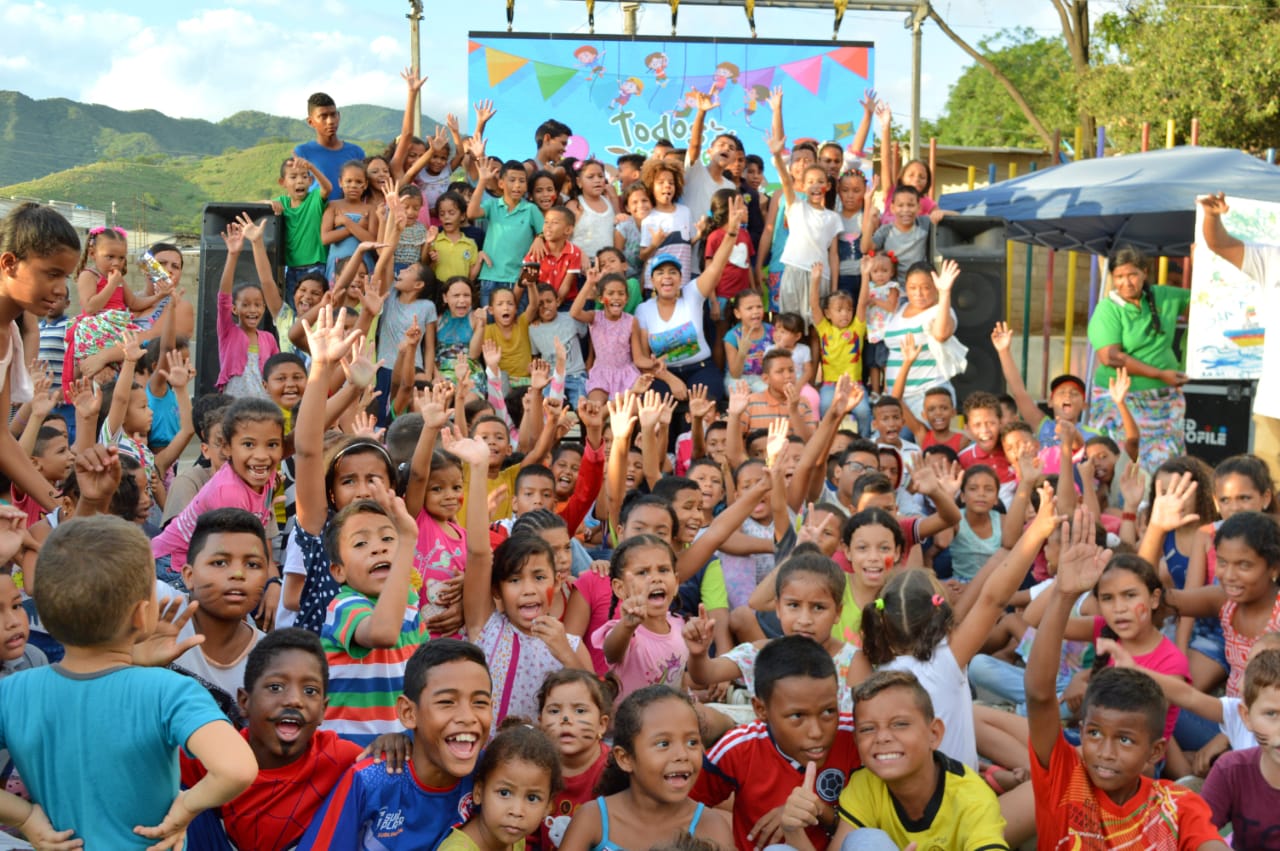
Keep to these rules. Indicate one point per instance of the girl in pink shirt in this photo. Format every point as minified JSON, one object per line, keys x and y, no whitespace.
{"x":254,"y":430}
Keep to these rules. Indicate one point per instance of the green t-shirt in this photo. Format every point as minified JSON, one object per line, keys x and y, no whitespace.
{"x":1115,"y":322}
{"x":715,"y":594}
{"x":302,"y":245}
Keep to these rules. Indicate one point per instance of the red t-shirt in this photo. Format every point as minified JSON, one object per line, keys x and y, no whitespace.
{"x":577,"y":791}
{"x":1071,"y":813}
{"x":277,"y":809}
{"x":973,"y":455}
{"x":747,"y":764}
{"x":735,"y":278}
{"x":552,"y":270}
{"x":910,"y":527}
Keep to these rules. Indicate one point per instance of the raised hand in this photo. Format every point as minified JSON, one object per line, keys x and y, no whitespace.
{"x":326,"y":340}
{"x":86,"y":397}
{"x":777,"y":144}
{"x":623,"y":412}
{"x":775,"y":98}
{"x":1082,"y":561}
{"x":484,"y":111}
{"x":162,"y":646}
{"x":233,"y":238}
{"x":493,"y":356}
{"x":739,"y":394}
{"x":590,"y":413}
{"x":1047,"y":517}
{"x":132,"y":349}
{"x":473,"y":452}
{"x":779,"y":434}
{"x":1167,"y":511}
{"x":250,"y":229}
{"x":633,"y":610}
{"x":360,"y":369}
{"x":910,"y":349}
{"x":868,"y":102}
{"x":1214,"y":204}
{"x":539,"y":374}
{"x":700,"y":407}
{"x":650,"y":410}
{"x":1118,"y":386}
{"x":945,"y":280}
{"x":178,"y":370}
{"x":414,"y":81}
{"x":373,"y":301}
{"x":365,"y":424}
{"x":1132,"y":485}
{"x":698,"y":633}
{"x":668,"y":409}
{"x":1002,"y":337}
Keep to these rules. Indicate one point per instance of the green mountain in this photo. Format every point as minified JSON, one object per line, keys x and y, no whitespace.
{"x":157,"y":170}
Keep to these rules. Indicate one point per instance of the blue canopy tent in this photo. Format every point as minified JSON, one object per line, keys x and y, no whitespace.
{"x":1144,"y":200}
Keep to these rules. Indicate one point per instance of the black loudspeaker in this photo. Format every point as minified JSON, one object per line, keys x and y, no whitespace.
{"x":977,"y":243}
{"x":213,"y":257}
{"x":1219,"y":419}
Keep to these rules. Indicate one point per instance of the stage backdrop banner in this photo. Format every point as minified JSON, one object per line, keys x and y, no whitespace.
{"x":619,"y":94}
{"x":1225,"y":329}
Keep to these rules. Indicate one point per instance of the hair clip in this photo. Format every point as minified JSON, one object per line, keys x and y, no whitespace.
{"x":891,"y":256}
{"x":937,"y":599}
{"x":104,"y":229}
{"x":879,"y":604}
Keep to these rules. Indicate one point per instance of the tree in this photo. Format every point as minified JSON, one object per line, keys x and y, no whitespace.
{"x":1185,"y":59}
{"x":1074,"y":17}
{"x":979,"y":108}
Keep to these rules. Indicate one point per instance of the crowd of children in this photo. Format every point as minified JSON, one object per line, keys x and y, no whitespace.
{"x":535,"y":509}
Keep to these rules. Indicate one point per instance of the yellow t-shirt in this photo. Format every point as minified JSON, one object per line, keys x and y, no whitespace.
{"x":848,"y":627}
{"x":516,"y":350}
{"x":506,"y":477}
{"x":454,"y":259}
{"x":963,"y":814}
{"x":841,"y":349}
{"x":459,"y":841}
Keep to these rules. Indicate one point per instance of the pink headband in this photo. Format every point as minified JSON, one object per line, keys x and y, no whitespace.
{"x":99,"y":230}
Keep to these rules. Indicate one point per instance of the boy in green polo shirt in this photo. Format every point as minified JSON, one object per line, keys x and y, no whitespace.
{"x":302,"y":206}
{"x":513,"y":224}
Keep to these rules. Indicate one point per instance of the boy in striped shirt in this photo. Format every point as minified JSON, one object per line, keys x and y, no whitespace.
{"x":372,"y":626}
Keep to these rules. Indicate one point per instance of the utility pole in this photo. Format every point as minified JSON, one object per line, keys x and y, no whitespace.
{"x":415,"y":59}
{"x":629,"y":11}
{"x":916,"y":22}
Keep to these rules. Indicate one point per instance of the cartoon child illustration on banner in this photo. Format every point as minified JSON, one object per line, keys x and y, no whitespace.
{"x":588,"y":59}
{"x":627,"y":89}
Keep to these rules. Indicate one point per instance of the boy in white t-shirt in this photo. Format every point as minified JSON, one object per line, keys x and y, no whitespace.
{"x":813,"y":231}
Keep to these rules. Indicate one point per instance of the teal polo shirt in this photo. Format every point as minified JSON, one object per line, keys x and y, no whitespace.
{"x":508,"y":236}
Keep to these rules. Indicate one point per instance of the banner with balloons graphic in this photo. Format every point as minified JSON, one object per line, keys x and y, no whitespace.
{"x":619,"y":94}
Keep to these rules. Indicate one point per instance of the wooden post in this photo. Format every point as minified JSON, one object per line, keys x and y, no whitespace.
{"x":1162,"y":276}
{"x":1008,"y":262}
{"x":933,"y":167}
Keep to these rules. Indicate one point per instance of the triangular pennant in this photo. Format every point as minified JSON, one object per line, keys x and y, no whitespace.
{"x":501,"y":65}
{"x":551,"y":78}
{"x":842,"y":131}
{"x":806,"y":72}
{"x":472,"y":46}
{"x":759,"y":77}
{"x":852,"y":58}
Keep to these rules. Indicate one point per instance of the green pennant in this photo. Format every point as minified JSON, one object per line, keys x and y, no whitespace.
{"x":552,"y":78}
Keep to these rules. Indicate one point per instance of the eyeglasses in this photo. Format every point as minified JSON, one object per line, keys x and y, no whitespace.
{"x":858,"y":465}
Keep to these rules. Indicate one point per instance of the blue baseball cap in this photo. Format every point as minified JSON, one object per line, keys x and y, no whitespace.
{"x":664,"y":259}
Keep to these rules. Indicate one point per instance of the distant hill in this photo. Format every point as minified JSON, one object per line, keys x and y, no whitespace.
{"x":152,"y":166}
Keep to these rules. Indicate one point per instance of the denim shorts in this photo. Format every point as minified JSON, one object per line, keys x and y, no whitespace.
{"x":1212,"y":647}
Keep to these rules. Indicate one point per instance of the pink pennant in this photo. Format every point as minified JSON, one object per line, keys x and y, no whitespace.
{"x":806,"y":72}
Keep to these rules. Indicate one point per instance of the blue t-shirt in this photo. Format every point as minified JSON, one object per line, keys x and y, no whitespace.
{"x":372,"y":810}
{"x":87,"y":744}
{"x":165,"y":421}
{"x":330,"y":162}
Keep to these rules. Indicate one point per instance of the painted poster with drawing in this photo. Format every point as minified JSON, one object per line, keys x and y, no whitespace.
{"x":1225,"y":328}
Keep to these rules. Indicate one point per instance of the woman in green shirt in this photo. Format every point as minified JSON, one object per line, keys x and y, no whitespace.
{"x":1133,"y":327}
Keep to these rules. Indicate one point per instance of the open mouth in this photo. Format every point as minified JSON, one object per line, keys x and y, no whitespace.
{"x":15,"y":641}
{"x":678,"y":779}
{"x":888,"y":757}
{"x":260,"y":472}
{"x":288,"y":729}
{"x":462,"y":745}
{"x":382,"y":568}
{"x":658,"y":595}
{"x":530,"y":611}
{"x":1103,"y":772}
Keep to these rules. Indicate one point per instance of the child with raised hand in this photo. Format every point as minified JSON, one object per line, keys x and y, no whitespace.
{"x":809,"y":590}
{"x":372,"y":626}
{"x":644,"y":798}
{"x":912,"y":627}
{"x":1102,"y":793}
{"x":842,"y":330}
{"x":908,"y":794}
{"x":349,"y":220}
{"x":746,"y":342}
{"x":738,"y":272}
{"x":979,"y":535}
{"x":509,"y":332}
{"x":513,"y":221}
{"x":574,"y":712}
{"x":644,"y":646}
{"x":97,"y":597}
{"x":553,"y":337}
{"x":243,"y":347}
{"x":591,"y":202}
{"x":1171,"y":550}
{"x":433,"y":495}
{"x":254,"y":434}
{"x":881,"y":270}
{"x":515,"y":780}
{"x":611,"y":328}
{"x":506,"y":602}
{"x":938,"y":407}
{"x":925,"y":314}
{"x":306,"y":192}
{"x":812,"y":241}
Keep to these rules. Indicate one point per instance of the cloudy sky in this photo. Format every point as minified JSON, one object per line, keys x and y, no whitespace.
{"x":211,"y":58}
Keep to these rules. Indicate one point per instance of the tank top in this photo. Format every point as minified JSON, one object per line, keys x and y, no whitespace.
{"x":593,"y":231}
{"x":606,"y":845}
{"x":1238,"y":646}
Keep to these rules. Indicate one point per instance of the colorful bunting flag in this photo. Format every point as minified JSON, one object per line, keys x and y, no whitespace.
{"x":806,"y":72}
{"x":552,"y":78}
{"x":501,"y":65}
{"x":852,"y":58}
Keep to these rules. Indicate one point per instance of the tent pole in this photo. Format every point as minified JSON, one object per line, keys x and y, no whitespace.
{"x":933,"y":165}
{"x":1069,"y":325}
{"x":1186,"y":263}
{"x":1048,"y":324}
{"x":973,"y":177}
{"x":1093,"y":271}
{"x":1162,"y":276}
{"x":1008,"y":262}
